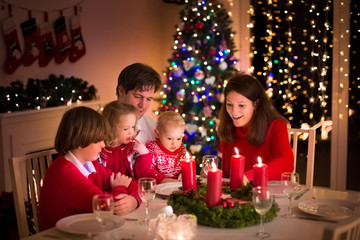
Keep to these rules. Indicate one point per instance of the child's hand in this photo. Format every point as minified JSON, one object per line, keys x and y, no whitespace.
{"x":179,"y":178}
{"x":119,"y":180}
{"x":124,"y":204}
{"x":169,"y":180}
{"x":139,"y":147}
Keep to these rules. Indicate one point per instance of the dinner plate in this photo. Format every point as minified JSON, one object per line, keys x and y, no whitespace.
{"x":86,"y":223}
{"x":165,"y":189}
{"x":328,"y":208}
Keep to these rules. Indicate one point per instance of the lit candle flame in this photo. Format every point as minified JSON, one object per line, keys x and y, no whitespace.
{"x":259,"y":160}
{"x":213,"y":166}
{"x":236,"y":151}
{"x":187,"y":156}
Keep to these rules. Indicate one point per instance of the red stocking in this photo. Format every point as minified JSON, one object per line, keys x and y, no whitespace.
{"x":47,"y":45}
{"x":14,"y":56}
{"x":78,"y":45}
{"x":31,"y":52}
{"x":63,"y":42}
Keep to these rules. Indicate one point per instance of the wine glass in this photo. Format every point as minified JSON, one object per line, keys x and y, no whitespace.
{"x":103,"y":207}
{"x":262,"y":201}
{"x":290,"y":182}
{"x":146,"y":189}
{"x":207,"y":162}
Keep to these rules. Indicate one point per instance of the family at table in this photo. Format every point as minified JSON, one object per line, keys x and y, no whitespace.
{"x":106,"y":153}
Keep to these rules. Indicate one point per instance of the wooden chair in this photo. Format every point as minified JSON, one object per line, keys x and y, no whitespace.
{"x":27,"y":173}
{"x":310,"y":135}
{"x":348,"y":229}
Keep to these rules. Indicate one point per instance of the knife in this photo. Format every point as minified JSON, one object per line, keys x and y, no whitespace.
{"x":297,"y":197}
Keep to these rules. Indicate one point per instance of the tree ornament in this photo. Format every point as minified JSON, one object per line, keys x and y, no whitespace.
{"x":207,"y":111}
{"x":212,"y":52}
{"x":180,"y":93}
{"x":14,"y":55}
{"x":210,"y":80}
{"x":178,"y":72}
{"x":195,"y":148}
{"x":31,"y":50}
{"x":195,"y":99}
{"x":199,"y":75}
{"x":191,"y":128}
{"x":188,"y":64}
{"x":223,"y":66}
{"x":199,"y":25}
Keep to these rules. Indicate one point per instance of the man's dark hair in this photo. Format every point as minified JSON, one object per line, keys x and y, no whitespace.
{"x":138,"y":76}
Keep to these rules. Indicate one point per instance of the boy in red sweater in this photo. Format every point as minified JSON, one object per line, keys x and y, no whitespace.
{"x":123,"y":153}
{"x":168,"y":150}
{"x":75,"y":176}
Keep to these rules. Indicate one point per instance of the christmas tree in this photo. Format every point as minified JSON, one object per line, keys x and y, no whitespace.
{"x":202,"y":62}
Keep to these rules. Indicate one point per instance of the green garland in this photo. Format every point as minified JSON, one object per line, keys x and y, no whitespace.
{"x":237,"y":215}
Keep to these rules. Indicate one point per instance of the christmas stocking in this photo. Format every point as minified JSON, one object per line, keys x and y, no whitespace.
{"x":78,"y":45}
{"x":47,"y":45}
{"x":14,"y":56}
{"x":31,"y":51}
{"x":63,"y":42}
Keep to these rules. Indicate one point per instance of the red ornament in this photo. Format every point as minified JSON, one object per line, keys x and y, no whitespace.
{"x":212,"y":52}
{"x":199,"y":25}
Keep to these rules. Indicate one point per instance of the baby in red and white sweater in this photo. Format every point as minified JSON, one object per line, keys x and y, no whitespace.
{"x":168,"y":149}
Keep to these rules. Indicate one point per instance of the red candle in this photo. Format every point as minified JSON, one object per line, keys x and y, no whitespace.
{"x":213,"y":188}
{"x":188,"y":172}
{"x":237,"y":165}
{"x":261,"y":174}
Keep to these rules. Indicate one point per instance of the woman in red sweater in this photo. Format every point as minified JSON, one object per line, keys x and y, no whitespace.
{"x":249,"y":122}
{"x":76,"y":176}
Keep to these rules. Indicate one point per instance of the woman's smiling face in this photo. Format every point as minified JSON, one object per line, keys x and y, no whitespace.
{"x":239,"y":108}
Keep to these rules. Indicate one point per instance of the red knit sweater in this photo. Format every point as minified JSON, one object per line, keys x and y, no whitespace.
{"x":165,"y":164}
{"x":66,"y":191}
{"x":117,"y":160}
{"x":275,"y":151}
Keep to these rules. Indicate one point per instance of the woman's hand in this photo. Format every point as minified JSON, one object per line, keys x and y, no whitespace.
{"x":124,"y":204}
{"x":119,"y":180}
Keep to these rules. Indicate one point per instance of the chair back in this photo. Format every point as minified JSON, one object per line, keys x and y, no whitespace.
{"x":310,"y":135}
{"x":27,"y":173}
{"x":348,"y":229}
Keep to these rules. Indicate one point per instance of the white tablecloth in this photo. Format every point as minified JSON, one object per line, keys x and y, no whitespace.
{"x":279,"y":228}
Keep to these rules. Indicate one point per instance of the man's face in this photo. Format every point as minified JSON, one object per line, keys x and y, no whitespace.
{"x":140,"y":99}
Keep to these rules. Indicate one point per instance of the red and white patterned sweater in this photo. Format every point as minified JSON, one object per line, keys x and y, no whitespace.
{"x":165,"y":164}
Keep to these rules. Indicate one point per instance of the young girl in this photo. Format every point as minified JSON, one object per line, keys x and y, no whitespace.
{"x":75,"y":176}
{"x":249,"y":122}
{"x":124,"y":153}
{"x":168,"y":150}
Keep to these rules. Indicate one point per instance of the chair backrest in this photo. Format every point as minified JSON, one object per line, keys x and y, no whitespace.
{"x":27,"y":173}
{"x":310,"y":135}
{"x":348,"y":229}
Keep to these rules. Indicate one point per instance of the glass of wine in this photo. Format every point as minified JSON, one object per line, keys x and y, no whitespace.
{"x":146,"y":189}
{"x":208,"y":161}
{"x":103,"y":207}
{"x":290,"y":182}
{"x":262,"y":201}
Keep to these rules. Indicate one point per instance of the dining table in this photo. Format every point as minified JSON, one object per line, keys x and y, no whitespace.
{"x":302,"y":226}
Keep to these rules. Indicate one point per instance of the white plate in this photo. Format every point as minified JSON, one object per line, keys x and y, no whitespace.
{"x":87,"y":224}
{"x":165,"y":189}
{"x":328,"y":208}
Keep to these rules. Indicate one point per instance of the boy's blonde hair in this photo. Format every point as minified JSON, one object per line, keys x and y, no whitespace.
{"x":112,"y":113}
{"x":170,"y":117}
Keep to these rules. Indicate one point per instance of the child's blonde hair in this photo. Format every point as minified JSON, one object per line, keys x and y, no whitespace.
{"x":170,"y":117}
{"x":112,"y":113}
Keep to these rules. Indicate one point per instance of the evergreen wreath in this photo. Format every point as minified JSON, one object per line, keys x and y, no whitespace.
{"x":234,"y":212}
